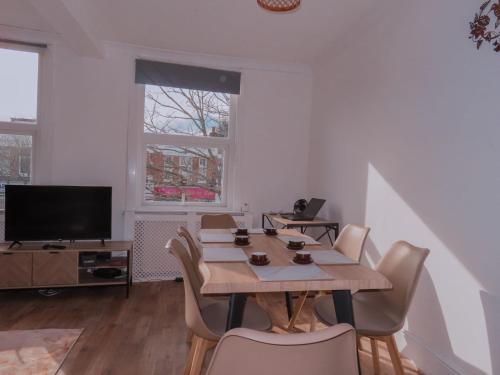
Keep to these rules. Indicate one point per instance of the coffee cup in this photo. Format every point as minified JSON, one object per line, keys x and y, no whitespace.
{"x":259,"y":257}
{"x":303,"y":256}
{"x":241,"y":232}
{"x":296,"y":245}
{"x":271,"y":231}
{"x":241,"y":240}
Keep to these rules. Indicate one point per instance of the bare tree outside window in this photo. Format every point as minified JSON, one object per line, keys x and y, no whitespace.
{"x":178,"y":173}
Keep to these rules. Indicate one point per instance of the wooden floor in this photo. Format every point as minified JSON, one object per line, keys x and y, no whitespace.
{"x":144,"y":334}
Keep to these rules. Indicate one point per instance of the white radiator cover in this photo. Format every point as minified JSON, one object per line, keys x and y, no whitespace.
{"x":151,"y":233}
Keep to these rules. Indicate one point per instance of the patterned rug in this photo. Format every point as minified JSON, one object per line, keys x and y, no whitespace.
{"x":35,"y":352}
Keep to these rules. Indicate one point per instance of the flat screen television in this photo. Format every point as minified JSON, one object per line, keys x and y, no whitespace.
{"x":44,"y":213}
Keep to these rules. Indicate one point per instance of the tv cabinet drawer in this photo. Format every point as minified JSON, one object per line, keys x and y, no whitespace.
{"x":55,"y":268}
{"x":15,"y":270}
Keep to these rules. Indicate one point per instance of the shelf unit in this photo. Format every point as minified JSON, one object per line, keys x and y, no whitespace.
{"x":31,"y":266}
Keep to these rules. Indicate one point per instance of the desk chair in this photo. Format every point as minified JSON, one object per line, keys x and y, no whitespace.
{"x":223,"y":221}
{"x":206,"y":317}
{"x":350,"y":242}
{"x":379,"y":315}
{"x":245,"y":352}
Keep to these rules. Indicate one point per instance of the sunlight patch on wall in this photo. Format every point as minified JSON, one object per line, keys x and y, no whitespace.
{"x":392,"y":219}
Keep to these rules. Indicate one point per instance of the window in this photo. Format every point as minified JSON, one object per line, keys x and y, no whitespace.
{"x":187,"y":132}
{"x":180,"y":128}
{"x":18,"y":114}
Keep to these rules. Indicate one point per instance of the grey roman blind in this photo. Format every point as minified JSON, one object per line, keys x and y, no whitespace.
{"x":186,"y":77}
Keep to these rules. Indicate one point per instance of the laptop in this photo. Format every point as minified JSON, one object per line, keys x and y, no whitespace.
{"x":309,"y":213}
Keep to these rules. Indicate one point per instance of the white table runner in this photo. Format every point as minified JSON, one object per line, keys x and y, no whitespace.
{"x":228,"y":254}
{"x":290,"y":273}
{"x":215,"y":237}
{"x":330,"y":257}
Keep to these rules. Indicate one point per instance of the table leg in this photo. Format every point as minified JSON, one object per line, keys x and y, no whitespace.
{"x":342,"y":299}
{"x":297,"y":310}
{"x":330,"y":238}
{"x":264,"y":217}
{"x":237,"y":303}
{"x":327,"y":232}
{"x":129,"y":274}
{"x":336,"y":230}
{"x":289,"y":305}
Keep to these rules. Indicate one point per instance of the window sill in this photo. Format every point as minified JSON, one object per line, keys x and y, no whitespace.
{"x":185,"y":210}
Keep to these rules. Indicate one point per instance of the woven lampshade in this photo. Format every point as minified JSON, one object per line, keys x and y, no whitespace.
{"x":279,"y":5}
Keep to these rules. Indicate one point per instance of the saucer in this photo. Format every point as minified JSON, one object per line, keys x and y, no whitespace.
{"x":241,"y":245}
{"x":259,"y":263}
{"x":302,"y":262}
{"x":294,"y":248}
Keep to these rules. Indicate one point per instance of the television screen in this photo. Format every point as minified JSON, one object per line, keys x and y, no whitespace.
{"x":38,"y":213}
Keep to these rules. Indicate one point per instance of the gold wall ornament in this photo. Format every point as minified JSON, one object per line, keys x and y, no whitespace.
{"x":485,"y":26}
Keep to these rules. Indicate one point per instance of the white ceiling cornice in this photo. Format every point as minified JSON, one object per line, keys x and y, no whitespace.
{"x":29,"y":35}
{"x":208,"y":60}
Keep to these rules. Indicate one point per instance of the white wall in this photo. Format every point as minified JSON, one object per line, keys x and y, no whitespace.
{"x":90,"y":117}
{"x":405,"y":139}
{"x":273,"y":140}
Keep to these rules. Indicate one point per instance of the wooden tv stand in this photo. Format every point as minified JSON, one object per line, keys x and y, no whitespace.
{"x":30,"y":266}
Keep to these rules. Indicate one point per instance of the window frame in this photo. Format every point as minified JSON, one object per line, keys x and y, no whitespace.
{"x":21,"y":157}
{"x":227,"y":144}
{"x":204,"y":168}
{"x":23,"y":128}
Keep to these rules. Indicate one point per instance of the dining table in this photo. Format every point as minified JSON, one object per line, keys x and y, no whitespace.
{"x":239,"y":279}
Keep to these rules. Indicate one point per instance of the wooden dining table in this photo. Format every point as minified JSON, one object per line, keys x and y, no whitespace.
{"x":238,"y":279}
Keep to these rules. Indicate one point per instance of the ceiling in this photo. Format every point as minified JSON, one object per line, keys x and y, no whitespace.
{"x":221,"y":27}
{"x":20,"y":13}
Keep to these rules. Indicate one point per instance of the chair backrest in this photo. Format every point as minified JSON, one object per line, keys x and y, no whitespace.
{"x":402,"y":265}
{"x":194,"y":250}
{"x":351,"y":241}
{"x":192,"y":296}
{"x":223,"y":221}
{"x":247,"y":352}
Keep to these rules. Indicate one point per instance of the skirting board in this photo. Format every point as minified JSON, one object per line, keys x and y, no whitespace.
{"x":427,"y":360}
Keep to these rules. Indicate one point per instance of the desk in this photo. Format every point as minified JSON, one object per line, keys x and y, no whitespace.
{"x":328,"y":225}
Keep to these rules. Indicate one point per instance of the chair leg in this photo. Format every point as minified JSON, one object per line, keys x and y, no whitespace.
{"x":199,"y":356}
{"x":297,"y":310}
{"x":192,"y":353}
{"x":393,"y":352}
{"x":189,"y":336}
{"x":312,"y":324}
{"x":375,"y":356}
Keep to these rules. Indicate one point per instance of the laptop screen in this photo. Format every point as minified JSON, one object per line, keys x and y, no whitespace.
{"x":313,"y":207}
